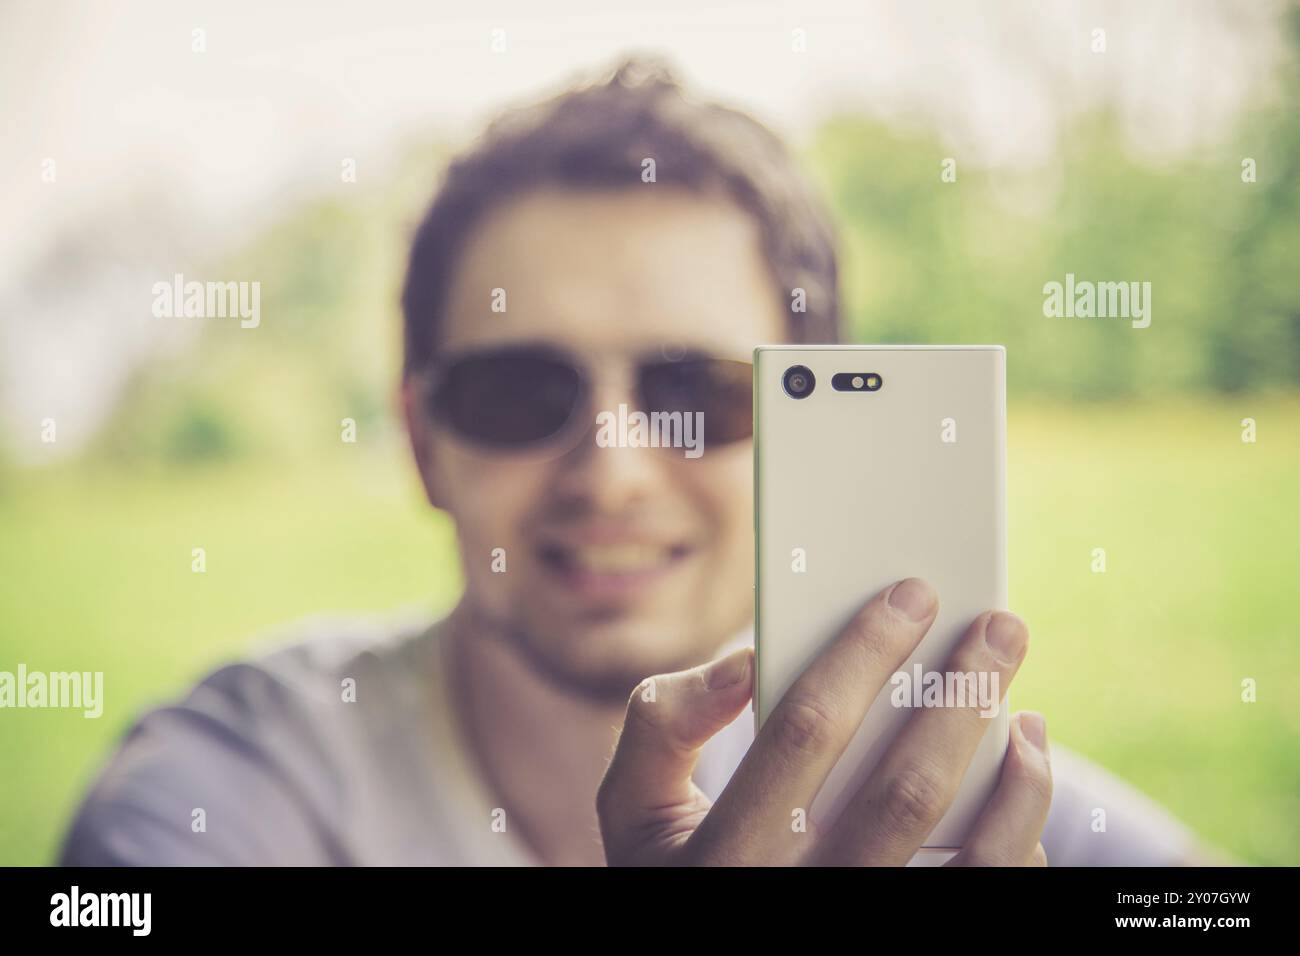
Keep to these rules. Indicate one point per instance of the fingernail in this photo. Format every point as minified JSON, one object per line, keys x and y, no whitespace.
{"x":727,"y":671}
{"x":913,"y":597}
{"x":1034,"y":727}
{"x":1005,"y":636}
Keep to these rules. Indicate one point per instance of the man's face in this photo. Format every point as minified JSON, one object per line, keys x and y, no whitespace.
{"x":620,"y":562}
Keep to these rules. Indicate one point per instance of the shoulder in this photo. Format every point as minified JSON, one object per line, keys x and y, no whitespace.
{"x":1098,"y":819}
{"x":247,"y":767}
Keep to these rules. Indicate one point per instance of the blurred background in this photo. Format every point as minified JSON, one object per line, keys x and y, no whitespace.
{"x":213,"y":139}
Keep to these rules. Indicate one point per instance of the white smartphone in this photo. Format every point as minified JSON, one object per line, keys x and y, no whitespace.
{"x":872,"y":464}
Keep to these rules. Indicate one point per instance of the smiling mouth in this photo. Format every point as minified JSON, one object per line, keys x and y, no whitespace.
{"x":612,"y":560}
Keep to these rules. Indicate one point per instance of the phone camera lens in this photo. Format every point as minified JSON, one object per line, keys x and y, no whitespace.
{"x":798,"y":381}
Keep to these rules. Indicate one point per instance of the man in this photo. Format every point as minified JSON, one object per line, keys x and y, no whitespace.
{"x":617,"y":245}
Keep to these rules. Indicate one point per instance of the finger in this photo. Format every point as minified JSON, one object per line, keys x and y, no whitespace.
{"x":755,"y":817}
{"x":647,"y":787}
{"x":1010,"y":826}
{"x":918,"y":777}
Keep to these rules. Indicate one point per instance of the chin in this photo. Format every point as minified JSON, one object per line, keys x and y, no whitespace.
{"x":609,"y":658}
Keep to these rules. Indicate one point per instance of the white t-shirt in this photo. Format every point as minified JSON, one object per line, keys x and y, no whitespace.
{"x":265,"y":763}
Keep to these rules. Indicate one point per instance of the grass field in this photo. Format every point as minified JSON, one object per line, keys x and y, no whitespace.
{"x":1139,"y":667}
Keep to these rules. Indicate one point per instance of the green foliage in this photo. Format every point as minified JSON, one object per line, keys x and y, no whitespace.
{"x":966,"y":261}
{"x":197,"y":432}
{"x":327,"y":347}
{"x":923,"y":261}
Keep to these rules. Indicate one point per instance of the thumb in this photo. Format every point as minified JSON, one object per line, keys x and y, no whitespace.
{"x":647,"y":792}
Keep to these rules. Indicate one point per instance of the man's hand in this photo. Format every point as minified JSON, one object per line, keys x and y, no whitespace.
{"x":651,"y":812}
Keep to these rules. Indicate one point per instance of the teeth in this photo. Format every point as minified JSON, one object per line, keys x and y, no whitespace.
{"x":619,"y":558}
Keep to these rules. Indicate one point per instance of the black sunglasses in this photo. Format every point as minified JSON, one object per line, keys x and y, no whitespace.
{"x":517,"y":397}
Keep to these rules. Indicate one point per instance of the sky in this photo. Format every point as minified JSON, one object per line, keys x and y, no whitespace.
{"x":138,"y":125}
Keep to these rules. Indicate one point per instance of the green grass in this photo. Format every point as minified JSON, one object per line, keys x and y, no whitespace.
{"x":98,"y":577}
{"x":1139,"y":668}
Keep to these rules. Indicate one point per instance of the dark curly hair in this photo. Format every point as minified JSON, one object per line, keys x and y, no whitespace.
{"x":596,"y":136}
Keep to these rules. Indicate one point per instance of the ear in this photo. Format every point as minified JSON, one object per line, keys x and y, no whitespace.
{"x":420,"y":432}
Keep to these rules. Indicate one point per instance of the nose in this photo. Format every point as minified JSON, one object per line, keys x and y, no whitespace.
{"x":608,"y":479}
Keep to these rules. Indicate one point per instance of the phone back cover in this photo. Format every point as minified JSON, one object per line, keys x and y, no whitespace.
{"x":865,"y":484}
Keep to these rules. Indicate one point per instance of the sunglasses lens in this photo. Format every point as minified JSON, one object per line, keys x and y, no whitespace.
{"x":721,"y":389}
{"x":508,"y":398}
